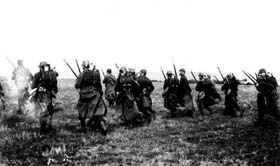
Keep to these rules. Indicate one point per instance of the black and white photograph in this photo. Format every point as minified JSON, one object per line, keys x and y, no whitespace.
{"x":150,"y":83}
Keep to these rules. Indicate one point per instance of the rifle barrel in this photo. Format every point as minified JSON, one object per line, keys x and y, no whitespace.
{"x":163,"y":73}
{"x":221,"y":73}
{"x":10,"y":61}
{"x":78,"y":66}
{"x":194,"y":77}
{"x":249,"y":77}
{"x":71,"y":68}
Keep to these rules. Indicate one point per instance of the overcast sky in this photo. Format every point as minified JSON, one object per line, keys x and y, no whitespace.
{"x":199,"y":34}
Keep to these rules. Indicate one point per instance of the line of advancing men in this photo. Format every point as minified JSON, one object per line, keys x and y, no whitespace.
{"x":132,"y":95}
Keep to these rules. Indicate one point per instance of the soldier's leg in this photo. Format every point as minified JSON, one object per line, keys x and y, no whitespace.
{"x":272,"y":105}
{"x":83,"y":124}
{"x":261,"y":106}
{"x":200,"y":106}
{"x":100,"y":124}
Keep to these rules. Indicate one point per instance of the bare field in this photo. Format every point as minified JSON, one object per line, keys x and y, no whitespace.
{"x":202,"y":140}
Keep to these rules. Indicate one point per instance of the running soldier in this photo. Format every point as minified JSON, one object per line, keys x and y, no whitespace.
{"x":170,"y":89}
{"x":22,"y":77}
{"x":144,"y":103}
{"x":267,"y":95}
{"x":110,"y":83}
{"x":126,"y":87}
{"x":45,"y":86}
{"x":185,"y":99}
{"x":230,"y":87}
{"x":91,"y":104}
{"x":207,"y":94}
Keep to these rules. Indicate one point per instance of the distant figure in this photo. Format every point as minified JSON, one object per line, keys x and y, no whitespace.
{"x":230,"y":87}
{"x":91,"y":105}
{"x":2,"y":101}
{"x":184,"y":94}
{"x":45,"y":84}
{"x":267,"y":95}
{"x":110,"y":83}
{"x":170,"y":89}
{"x":22,"y":77}
{"x":126,"y":87}
{"x":207,"y":94}
{"x":144,"y":102}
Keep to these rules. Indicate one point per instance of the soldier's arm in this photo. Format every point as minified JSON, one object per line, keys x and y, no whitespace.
{"x":152,"y":88}
{"x":79,"y":81}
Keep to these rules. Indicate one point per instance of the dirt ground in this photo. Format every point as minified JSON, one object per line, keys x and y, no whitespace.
{"x":202,"y":140}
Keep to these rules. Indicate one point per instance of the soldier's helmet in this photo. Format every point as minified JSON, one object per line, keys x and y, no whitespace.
{"x":183,"y":70}
{"x":20,"y":62}
{"x":131,"y":70}
{"x":109,"y":71}
{"x":43,"y":63}
{"x":169,"y":72}
{"x":262,"y":71}
{"x":144,"y":71}
{"x":86,"y":63}
{"x":122,"y":69}
{"x":229,"y":75}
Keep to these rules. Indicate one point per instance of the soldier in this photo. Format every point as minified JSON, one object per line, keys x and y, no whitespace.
{"x":125,"y":88}
{"x":2,"y":102}
{"x":45,"y":84}
{"x":110,"y":82}
{"x":91,"y":104}
{"x":184,"y":94}
{"x":22,"y":77}
{"x":267,"y":95}
{"x":144,"y":102}
{"x":230,"y":87}
{"x":170,"y":88}
{"x":207,"y":93}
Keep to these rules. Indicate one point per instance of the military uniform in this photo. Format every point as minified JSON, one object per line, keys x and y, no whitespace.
{"x":170,"y":89}
{"x":207,"y":94}
{"x":110,"y":82}
{"x":144,"y":102}
{"x":45,"y":83}
{"x":184,"y":94}
{"x":126,"y":88}
{"x":91,"y":104}
{"x":267,"y":95}
{"x":22,"y":77}
{"x":230,"y":87}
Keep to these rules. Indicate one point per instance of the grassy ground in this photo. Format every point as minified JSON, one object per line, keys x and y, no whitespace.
{"x":202,"y":140}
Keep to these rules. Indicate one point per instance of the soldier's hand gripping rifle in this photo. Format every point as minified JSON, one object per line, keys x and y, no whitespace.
{"x":77,"y":63}
{"x":71,"y":68}
{"x":194,"y":77}
{"x":163,"y":73}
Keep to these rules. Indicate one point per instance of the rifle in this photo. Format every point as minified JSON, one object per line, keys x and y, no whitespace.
{"x":175,"y":71}
{"x":252,"y":76}
{"x":252,"y":79}
{"x":221,"y":74}
{"x":117,"y":66}
{"x":78,"y":66}
{"x":217,"y":79}
{"x":10,"y":61}
{"x":71,"y":68}
{"x":103,"y":73}
{"x":163,"y":73}
{"x":194,"y":77}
